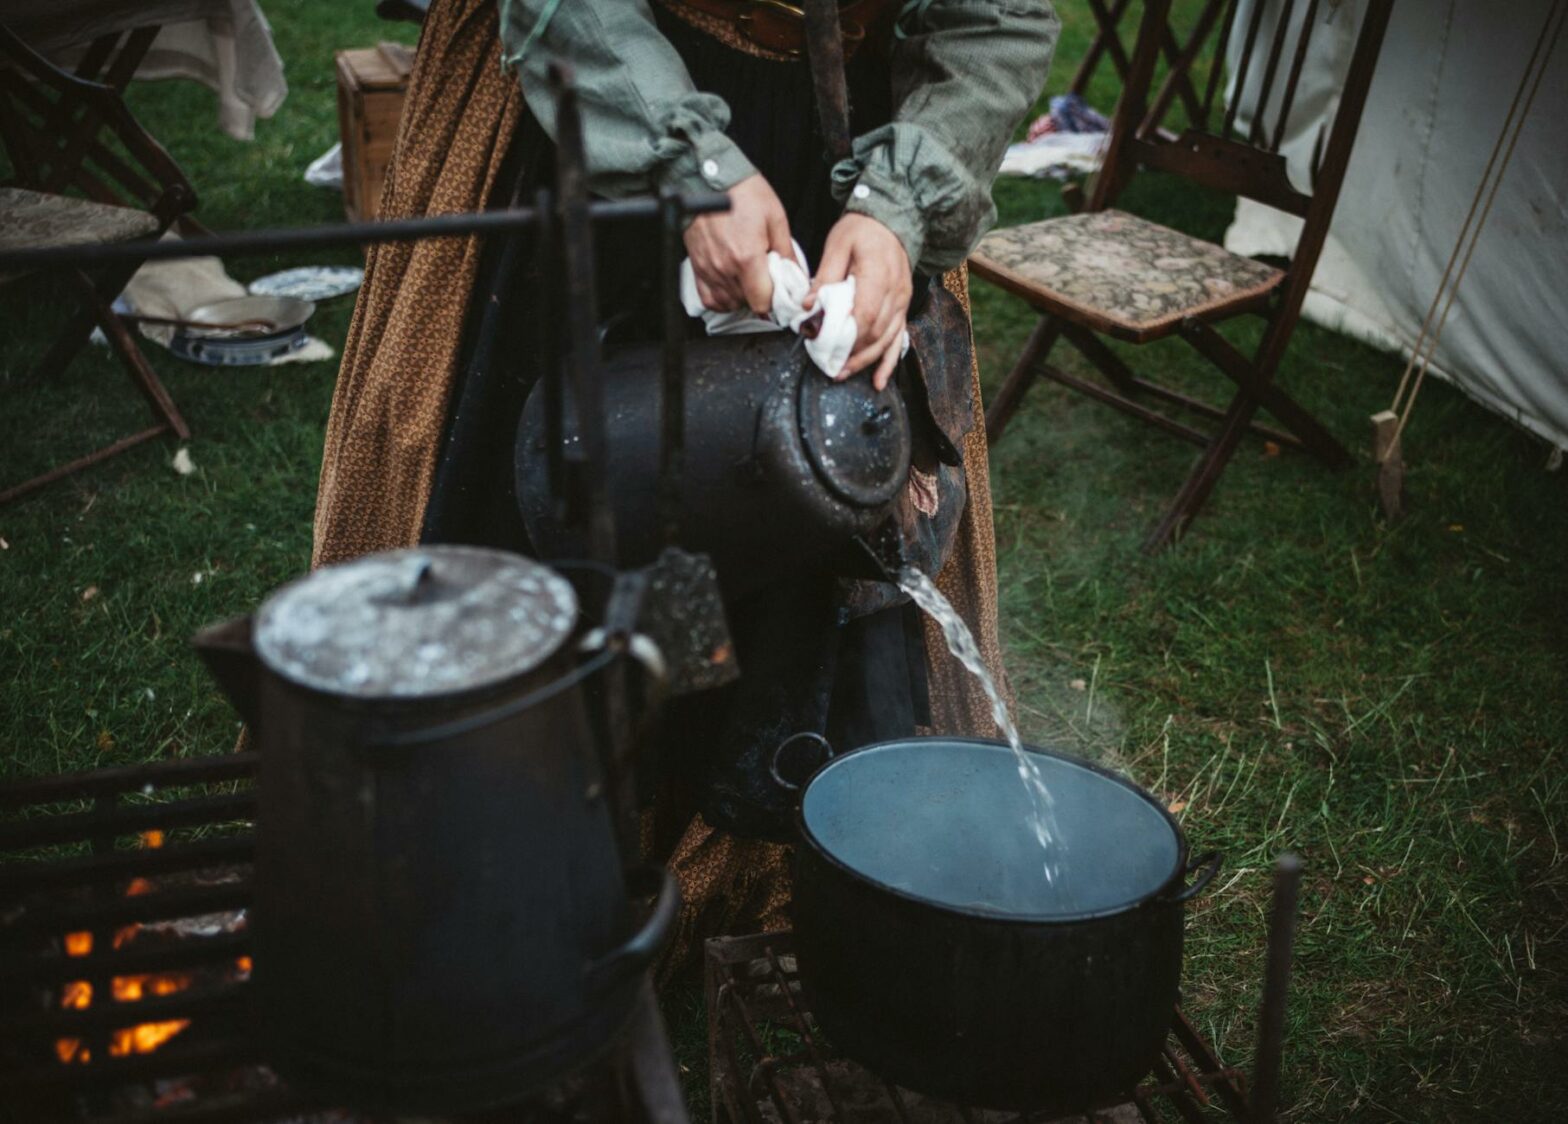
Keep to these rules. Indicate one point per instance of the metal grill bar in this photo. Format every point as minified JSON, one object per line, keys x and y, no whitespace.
{"x":167,"y":905}
{"x":184,"y":1056}
{"x":128,"y":778}
{"x":76,"y":826}
{"x":90,"y":870}
{"x":109,"y":1015}
{"x":179,"y":956}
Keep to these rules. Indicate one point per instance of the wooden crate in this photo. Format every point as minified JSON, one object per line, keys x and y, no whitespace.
{"x":371,"y":85}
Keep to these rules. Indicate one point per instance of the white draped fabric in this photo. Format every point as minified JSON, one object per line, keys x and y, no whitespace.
{"x":1448,"y":71}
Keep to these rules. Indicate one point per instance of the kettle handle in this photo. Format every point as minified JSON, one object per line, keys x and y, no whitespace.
{"x":633,"y":957}
{"x":778,"y":753}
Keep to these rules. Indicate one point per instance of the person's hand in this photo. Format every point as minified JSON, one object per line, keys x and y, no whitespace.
{"x":729,"y":250}
{"x":861,"y":246}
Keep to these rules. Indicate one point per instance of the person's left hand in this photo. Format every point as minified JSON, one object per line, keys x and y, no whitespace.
{"x":862,"y":246}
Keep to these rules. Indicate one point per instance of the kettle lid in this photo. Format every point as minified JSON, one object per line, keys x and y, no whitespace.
{"x":420,"y":623}
{"x":857,"y":437}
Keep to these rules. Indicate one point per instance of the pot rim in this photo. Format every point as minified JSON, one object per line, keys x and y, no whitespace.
{"x":1161,"y":895}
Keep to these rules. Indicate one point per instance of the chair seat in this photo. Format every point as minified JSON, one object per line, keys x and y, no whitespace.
{"x":1120,"y":274}
{"x":31,"y":219}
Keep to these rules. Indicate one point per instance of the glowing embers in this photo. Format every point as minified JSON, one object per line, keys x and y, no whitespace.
{"x":129,"y":988}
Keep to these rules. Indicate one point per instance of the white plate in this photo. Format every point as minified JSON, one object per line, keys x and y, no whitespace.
{"x":310,"y":282}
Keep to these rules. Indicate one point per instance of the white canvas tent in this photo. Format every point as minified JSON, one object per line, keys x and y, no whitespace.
{"x":1448,"y":72}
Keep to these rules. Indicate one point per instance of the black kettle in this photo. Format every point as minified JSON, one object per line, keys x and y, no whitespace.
{"x":441,"y":919}
{"x":783,"y":466}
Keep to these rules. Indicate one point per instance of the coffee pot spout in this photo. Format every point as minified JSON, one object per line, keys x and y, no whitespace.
{"x":227,"y":651}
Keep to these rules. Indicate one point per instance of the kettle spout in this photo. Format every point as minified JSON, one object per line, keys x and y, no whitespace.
{"x":227,"y":651}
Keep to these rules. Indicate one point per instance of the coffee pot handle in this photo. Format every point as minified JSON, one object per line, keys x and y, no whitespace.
{"x":637,"y":953}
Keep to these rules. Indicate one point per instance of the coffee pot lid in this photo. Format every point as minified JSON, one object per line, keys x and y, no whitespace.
{"x":420,"y":623}
{"x":857,"y":437}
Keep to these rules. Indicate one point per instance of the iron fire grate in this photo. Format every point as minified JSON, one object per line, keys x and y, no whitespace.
{"x":767,"y":1065}
{"x":125,"y":970}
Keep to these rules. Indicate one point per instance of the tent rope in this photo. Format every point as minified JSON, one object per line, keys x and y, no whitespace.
{"x":1464,"y":248}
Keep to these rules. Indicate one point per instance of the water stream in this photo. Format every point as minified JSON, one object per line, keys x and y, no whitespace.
{"x":961,"y":642}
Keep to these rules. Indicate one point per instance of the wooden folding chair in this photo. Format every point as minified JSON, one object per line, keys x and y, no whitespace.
{"x":1104,"y":272}
{"x":84,"y":172}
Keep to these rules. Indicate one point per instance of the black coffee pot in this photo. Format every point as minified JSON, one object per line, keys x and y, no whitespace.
{"x":441,"y":919}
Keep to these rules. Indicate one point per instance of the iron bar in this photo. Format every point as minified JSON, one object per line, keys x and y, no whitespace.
{"x":159,"y":905}
{"x":183,"y":1056}
{"x":282,"y":239}
{"x":582,"y":352}
{"x":672,"y":403}
{"x":276,"y":1104}
{"x":175,"y":956}
{"x":546,"y":253}
{"x":88,"y":869}
{"x":129,"y":778}
{"x":1276,"y":985}
{"x":110,"y":1015}
{"x":127,"y":821}
{"x":825,"y":49}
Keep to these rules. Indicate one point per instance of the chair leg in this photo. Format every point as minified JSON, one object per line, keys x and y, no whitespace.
{"x":72,"y":338}
{"x":79,"y":328}
{"x":1106,"y":361}
{"x":1011,"y":396}
{"x":124,"y":345}
{"x":1312,"y":434}
{"x":1205,"y":474}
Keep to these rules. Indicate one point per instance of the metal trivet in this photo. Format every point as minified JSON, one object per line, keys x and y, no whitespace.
{"x":125,"y":970}
{"x":767,"y":1064}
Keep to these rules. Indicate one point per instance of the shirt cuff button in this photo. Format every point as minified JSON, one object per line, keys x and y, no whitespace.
{"x":861,"y":191}
{"x":710,"y":168}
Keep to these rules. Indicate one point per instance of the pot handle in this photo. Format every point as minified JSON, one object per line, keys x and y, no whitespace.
{"x":778,"y":753}
{"x":637,"y":953}
{"x":1210,"y":863}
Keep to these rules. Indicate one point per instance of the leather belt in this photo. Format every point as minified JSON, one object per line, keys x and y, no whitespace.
{"x":780,"y":27}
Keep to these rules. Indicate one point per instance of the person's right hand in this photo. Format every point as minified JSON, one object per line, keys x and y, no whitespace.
{"x":729,"y":250}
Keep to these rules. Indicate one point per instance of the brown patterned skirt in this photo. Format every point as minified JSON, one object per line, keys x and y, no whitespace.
{"x":400,"y":363}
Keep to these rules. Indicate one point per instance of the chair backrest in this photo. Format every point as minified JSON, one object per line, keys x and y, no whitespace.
{"x":64,"y":134}
{"x":1262,"y":45}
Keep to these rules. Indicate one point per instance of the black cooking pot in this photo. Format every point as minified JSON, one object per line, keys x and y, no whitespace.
{"x":934,"y":950}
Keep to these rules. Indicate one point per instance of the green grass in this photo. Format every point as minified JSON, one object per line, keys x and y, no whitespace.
{"x":1385,"y":699}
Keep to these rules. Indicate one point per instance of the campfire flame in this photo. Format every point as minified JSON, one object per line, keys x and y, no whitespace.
{"x":77,"y":995}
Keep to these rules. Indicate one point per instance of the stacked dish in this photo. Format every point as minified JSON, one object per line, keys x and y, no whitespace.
{"x":243,"y":331}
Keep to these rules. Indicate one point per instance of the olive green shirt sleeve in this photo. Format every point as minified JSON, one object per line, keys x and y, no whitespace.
{"x":645,"y":125}
{"x":964,"y":74}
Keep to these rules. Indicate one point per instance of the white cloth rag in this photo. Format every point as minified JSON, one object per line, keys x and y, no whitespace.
{"x":834,"y":342}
